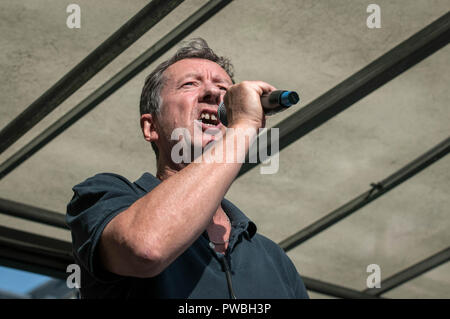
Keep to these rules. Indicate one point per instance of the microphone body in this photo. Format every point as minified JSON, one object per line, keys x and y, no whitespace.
{"x":274,"y":102}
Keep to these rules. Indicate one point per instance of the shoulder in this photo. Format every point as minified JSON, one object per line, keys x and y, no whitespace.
{"x":96,"y":201}
{"x":284,"y":264}
{"x":276,"y":254}
{"x":269,"y":245}
{"x":102,"y":192}
{"x":103,"y":181}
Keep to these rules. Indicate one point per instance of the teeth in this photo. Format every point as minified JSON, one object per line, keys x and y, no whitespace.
{"x":209,"y":117}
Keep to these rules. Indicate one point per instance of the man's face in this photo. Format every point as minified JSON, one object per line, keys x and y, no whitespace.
{"x":192,"y":90}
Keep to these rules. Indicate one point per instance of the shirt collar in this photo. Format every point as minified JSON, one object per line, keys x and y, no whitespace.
{"x":147,"y":182}
{"x":238,"y":219}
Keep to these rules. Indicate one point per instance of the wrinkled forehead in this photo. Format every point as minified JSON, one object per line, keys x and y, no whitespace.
{"x":195,"y":67}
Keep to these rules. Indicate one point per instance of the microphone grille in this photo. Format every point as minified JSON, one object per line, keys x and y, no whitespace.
{"x":222,"y":112}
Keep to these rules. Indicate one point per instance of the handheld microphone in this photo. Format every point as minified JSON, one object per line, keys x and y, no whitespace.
{"x":274,"y":102}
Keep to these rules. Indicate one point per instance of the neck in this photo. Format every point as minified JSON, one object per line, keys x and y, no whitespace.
{"x":163,"y":174}
{"x":166,"y":168}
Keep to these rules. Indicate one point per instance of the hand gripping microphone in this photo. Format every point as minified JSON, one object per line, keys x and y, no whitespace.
{"x":274,"y":102}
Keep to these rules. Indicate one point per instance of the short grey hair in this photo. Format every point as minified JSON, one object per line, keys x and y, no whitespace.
{"x":151,"y":93}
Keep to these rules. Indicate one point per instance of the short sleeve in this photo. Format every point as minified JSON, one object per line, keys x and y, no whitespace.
{"x":300,"y":289}
{"x":295,"y":280}
{"x":95,"y":202}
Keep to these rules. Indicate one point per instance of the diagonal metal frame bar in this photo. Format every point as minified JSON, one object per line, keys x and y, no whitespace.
{"x":110,"y":86}
{"x":119,"y":41}
{"x":391,"y":64}
{"x":35,"y":253}
{"x":378,"y":189}
{"x":32,"y":213}
{"x":51,"y":257}
{"x":410,"y":272}
{"x":382,"y":70}
{"x":334,"y":290}
{"x":438,"y":38}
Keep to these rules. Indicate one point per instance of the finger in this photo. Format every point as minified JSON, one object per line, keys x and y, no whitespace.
{"x":264,"y":87}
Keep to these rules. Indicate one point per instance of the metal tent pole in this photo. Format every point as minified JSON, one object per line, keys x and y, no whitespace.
{"x":399,"y":59}
{"x":117,"y":81}
{"x":132,"y":30}
{"x":32,"y":213}
{"x":377,"y":190}
{"x":334,"y":290}
{"x":34,"y":253}
{"x":410,"y":272}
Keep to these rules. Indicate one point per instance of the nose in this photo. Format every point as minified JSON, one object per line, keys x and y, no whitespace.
{"x":211,"y":94}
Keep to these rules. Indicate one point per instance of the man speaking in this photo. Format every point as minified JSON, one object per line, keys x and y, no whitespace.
{"x":174,"y":235}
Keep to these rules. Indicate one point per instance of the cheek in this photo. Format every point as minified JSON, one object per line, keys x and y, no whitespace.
{"x":168,"y":115}
{"x":178,"y":111}
{"x":169,"y":121}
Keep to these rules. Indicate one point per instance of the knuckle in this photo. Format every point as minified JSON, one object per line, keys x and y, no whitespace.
{"x":245,"y":84}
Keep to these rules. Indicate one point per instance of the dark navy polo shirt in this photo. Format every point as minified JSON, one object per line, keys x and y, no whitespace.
{"x":259,"y":268}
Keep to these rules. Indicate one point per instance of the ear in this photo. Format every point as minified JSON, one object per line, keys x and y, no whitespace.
{"x":149,"y":128}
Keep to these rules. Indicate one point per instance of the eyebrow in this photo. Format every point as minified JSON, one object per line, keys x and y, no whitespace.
{"x":216,"y":79}
{"x":188,"y":75}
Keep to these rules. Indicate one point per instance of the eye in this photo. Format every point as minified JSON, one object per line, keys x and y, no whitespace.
{"x":188,"y":83}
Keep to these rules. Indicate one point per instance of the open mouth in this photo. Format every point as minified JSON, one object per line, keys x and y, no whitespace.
{"x":209,"y":118}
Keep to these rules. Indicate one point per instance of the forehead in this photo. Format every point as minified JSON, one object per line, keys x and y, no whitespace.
{"x":196,"y":67}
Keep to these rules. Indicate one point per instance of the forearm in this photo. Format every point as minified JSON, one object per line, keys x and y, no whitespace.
{"x":165,"y":222}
